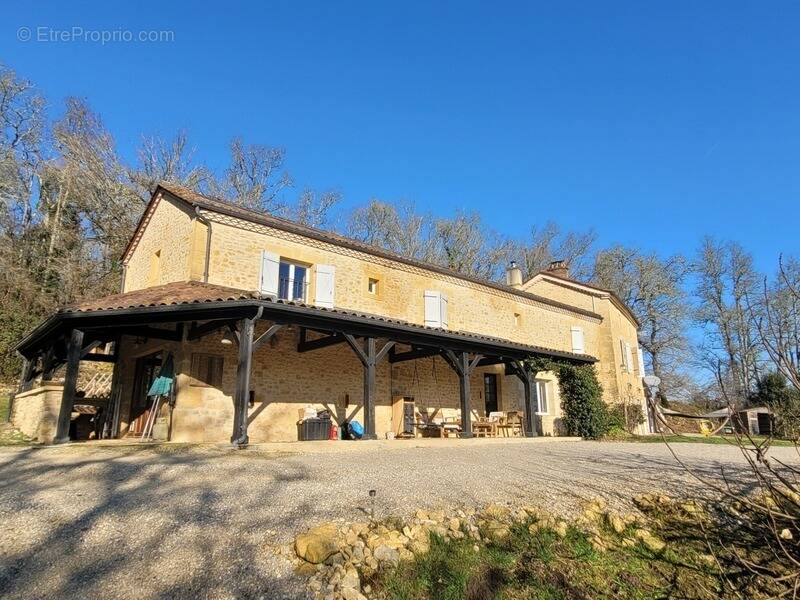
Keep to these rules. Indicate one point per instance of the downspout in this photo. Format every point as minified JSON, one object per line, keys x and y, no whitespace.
{"x":207,"y":223}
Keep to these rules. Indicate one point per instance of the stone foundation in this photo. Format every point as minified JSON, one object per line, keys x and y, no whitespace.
{"x":35,"y":412}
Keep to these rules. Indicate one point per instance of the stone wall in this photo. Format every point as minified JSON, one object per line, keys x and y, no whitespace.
{"x":35,"y":412}
{"x":285,"y":381}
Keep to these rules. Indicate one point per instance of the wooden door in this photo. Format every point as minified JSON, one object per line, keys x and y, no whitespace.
{"x":147,"y":369}
{"x":490,"y":392}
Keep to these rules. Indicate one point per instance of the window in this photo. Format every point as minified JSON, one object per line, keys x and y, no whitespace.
{"x":292,"y":281}
{"x":541,"y":397}
{"x":517,"y":319}
{"x":154,"y":274}
{"x":372,"y":286}
{"x":207,"y":370}
{"x":577,"y":340}
{"x":627,"y":356}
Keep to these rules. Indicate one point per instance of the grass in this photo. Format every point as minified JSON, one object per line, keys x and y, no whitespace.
{"x":700,"y":439}
{"x":541,"y":565}
{"x":5,"y":403}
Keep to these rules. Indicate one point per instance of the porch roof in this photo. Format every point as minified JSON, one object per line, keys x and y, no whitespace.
{"x":196,"y":301}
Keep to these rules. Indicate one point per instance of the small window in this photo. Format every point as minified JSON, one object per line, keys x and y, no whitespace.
{"x":541,"y":397}
{"x":517,"y":319}
{"x":292,"y":281}
{"x":372,"y":286}
{"x":154,"y":273}
{"x":207,"y":370}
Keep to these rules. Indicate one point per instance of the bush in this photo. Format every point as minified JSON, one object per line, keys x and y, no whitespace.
{"x":625,"y":416}
{"x":584,"y":412}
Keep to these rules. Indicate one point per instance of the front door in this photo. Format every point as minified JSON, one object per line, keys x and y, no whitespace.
{"x":490,"y":392}
{"x":147,"y":369}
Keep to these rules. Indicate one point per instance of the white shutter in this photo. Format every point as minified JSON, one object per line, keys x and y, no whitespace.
{"x":628,"y":357}
{"x":324,"y":285}
{"x":640,"y":355}
{"x":270,"y":263}
{"x":577,"y":340}
{"x":433,"y":309}
{"x":443,"y":310}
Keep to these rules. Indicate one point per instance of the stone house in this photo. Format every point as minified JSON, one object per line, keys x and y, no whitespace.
{"x":264,"y":317}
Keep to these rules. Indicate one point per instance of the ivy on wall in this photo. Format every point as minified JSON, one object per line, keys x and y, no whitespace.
{"x":583,"y":411}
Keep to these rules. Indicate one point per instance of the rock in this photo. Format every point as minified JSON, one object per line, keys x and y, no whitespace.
{"x":786,"y":534}
{"x":386,"y":554}
{"x":649,"y":540}
{"x":351,"y":579}
{"x":561,"y":529}
{"x":318,"y":543}
{"x":454,"y":524}
{"x":598,"y":543}
{"x":422,"y":515}
{"x":496,"y":512}
{"x":405,"y":555}
{"x":496,"y":531}
{"x":616,"y":522}
{"x":419,"y":546}
{"x":352,"y":594}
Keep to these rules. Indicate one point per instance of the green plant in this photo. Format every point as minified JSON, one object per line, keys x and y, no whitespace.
{"x":584,"y":412}
{"x":624,"y":416}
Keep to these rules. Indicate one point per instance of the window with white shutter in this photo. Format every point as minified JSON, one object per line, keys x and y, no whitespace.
{"x":435,"y":309}
{"x":324,"y":285}
{"x":577,"y":340}
{"x":628,"y":357}
{"x":270,"y":264}
{"x":623,"y":357}
{"x":640,"y":354}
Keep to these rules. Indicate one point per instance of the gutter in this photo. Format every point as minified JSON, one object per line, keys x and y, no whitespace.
{"x":207,"y":260}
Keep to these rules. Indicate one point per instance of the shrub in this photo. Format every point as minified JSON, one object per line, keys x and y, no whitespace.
{"x":625,"y":416}
{"x":584,"y":412}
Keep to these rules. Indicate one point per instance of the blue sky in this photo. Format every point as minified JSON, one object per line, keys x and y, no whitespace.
{"x":653,"y":123}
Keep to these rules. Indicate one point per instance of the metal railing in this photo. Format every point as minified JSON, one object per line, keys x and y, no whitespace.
{"x":292,"y":289}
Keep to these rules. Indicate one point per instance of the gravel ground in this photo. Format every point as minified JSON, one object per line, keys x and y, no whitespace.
{"x":205,"y":522}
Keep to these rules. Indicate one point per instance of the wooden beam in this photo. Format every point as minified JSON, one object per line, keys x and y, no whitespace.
{"x":241,"y":396}
{"x":396,"y":357}
{"x":106,"y":358}
{"x":354,"y":345}
{"x":267,"y":335}
{"x":172,"y":335}
{"x":70,"y":385}
{"x":200,"y":331}
{"x":383,"y":351}
{"x":329,"y":340}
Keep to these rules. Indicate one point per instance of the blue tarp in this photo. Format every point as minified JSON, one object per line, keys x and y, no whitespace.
{"x":162,"y":385}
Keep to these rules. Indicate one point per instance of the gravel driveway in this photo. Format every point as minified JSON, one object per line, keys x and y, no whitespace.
{"x":207,"y":522}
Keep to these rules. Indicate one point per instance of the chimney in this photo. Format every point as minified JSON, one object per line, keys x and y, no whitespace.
{"x":514,"y":275}
{"x":559,"y":268}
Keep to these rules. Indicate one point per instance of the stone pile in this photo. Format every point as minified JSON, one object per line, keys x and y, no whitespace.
{"x":340,"y":557}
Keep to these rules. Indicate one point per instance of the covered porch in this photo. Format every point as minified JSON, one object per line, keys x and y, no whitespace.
{"x":247,"y":366}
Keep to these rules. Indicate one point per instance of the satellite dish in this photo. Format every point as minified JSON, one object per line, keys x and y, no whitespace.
{"x":652,"y":381}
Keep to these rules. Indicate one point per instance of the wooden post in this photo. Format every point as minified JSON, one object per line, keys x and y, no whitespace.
{"x":369,"y":390}
{"x":521,"y":370}
{"x":74,"y":347}
{"x":241,"y":395}
{"x":370,"y":357}
{"x":466,"y":406}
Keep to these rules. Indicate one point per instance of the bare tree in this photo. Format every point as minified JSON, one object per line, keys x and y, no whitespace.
{"x":168,"y":160}
{"x":464,"y":244}
{"x":393,"y":226}
{"x":547,"y":244}
{"x":654,"y":290}
{"x":255,"y":178}
{"x":313,"y":208}
{"x":725,"y":279}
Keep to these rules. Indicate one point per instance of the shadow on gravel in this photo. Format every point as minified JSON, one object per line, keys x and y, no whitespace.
{"x":139,"y":524}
